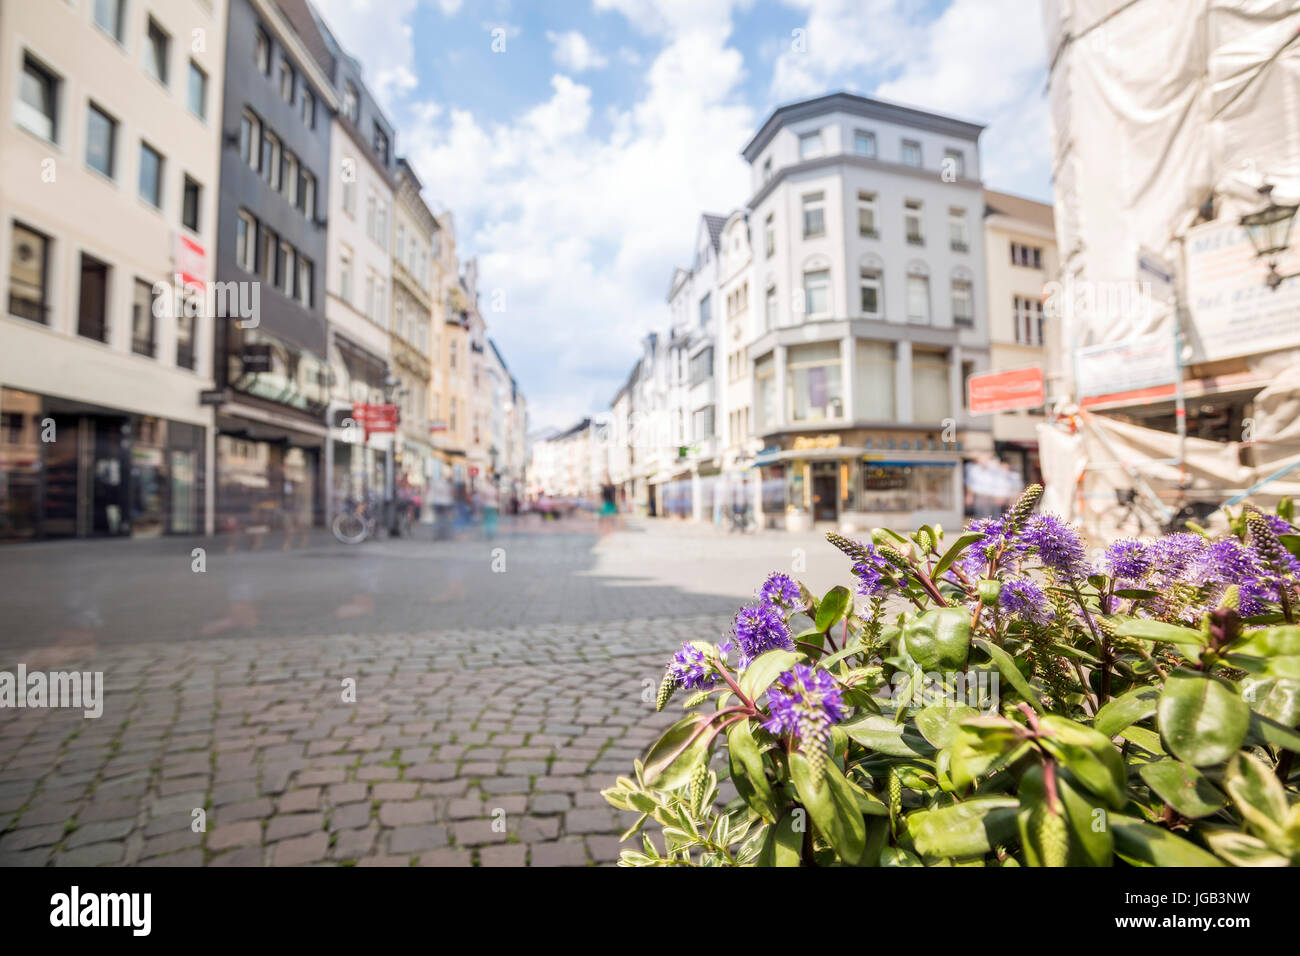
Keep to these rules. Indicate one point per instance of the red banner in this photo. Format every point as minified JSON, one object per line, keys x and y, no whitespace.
{"x":375,"y":418}
{"x":1005,"y":391}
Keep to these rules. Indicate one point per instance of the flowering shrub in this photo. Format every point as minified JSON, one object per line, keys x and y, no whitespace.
{"x":999,"y":700}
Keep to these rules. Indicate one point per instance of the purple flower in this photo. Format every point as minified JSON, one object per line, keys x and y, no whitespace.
{"x":780,"y":589}
{"x":1229,"y":562}
{"x":1025,"y":600}
{"x":1279,"y":524}
{"x":804,"y":702}
{"x":1057,"y":545}
{"x":871,"y":572}
{"x":975,"y":560}
{"x":1172,"y":555}
{"x":1130,"y":560}
{"x":759,"y":628}
{"x":690,"y":668}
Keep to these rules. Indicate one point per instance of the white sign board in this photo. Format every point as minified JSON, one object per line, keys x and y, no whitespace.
{"x":1233,"y":312}
{"x":1141,"y":362}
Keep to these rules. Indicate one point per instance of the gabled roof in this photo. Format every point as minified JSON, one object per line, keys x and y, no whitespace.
{"x":714,"y":222}
{"x":1018,"y":207}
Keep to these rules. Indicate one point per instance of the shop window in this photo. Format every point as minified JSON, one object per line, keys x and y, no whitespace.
{"x":813,"y":390}
{"x":886,"y":488}
{"x":931,"y":388}
{"x":874,"y":385}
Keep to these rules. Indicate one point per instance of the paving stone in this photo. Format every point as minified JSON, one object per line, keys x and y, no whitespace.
{"x":511,"y":855}
{"x":223,"y":837}
{"x":97,"y":854}
{"x":417,"y":839}
{"x":446,"y":857}
{"x":292,"y":825}
{"x":300,"y":850}
{"x":350,"y":816}
{"x":558,"y":854}
{"x":98,"y":833}
{"x":395,"y":814}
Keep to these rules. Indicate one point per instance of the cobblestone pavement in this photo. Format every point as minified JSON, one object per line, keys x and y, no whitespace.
{"x":480,"y":738}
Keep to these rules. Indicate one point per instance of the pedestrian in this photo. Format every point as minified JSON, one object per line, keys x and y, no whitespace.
{"x":489,"y":503}
{"x":608,"y":507}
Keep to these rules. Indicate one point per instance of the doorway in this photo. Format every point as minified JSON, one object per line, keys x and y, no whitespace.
{"x":825,"y":491}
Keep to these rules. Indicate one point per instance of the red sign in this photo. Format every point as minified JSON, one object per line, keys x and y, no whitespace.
{"x":191,"y":260}
{"x":473,"y":471}
{"x":375,"y":418}
{"x":1004,"y":391}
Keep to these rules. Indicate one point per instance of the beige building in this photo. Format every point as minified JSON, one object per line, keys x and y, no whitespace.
{"x":1020,"y":259}
{"x":411,"y":345}
{"x":450,"y":345}
{"x":109,"y":142}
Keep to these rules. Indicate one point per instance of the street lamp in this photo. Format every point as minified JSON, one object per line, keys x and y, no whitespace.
{"x":1269,"y":230}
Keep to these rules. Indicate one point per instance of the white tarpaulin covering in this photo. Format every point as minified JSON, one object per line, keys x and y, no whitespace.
{"x":1156,"y":106}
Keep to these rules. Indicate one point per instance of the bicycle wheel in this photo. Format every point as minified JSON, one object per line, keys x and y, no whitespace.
{"x":349,"y":528}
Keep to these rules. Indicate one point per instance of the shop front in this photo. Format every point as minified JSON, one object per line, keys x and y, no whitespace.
{"x":70,"y":469}
{"x":857,"y":480}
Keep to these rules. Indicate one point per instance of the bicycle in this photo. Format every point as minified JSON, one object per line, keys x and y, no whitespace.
{"x":355,"y":522}
{"x":1140,"y":512}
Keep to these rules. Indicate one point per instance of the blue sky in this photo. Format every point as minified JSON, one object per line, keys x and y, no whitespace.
{"x":577,"y":141}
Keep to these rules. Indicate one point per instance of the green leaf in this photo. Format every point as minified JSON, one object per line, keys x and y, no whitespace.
{"x":1136,"y":594}
{"x":1158,"y":631}
{"x":747,"y":773}
{"x":782,"y":843}
{"x":670,"y":761}
{"x":1241,"y":849}
{"x":897,"y":856}
{"x":1089,"y":755}
{"x":1281,"y":641}
{"x":1203,"y":720}
{"x":764,"y":669}
{"x":1143,"y":844}
{"x":955,"y":552}
{"x":1006,"y":666}
{"x":1259,"y":795}
{"x":964,"y":829}
{"x":940,"y":723}
{"x":1126,"y":709}
{"x":939,"y":639}
{"x":830,"y":803}
{"x":877,"y":732}
{"x":837,"y":603}
{"x":1271,"y":732}
{"x":1183,"y":787}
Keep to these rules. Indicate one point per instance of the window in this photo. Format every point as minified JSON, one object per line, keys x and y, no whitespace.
{"x":372,"y":207}
{"x":185,"y":339}
{"x":767,"y":170}
{"x":1029,"y":256}
{"x":289,"y":178}
{"x":262,"y":51}
{"x":769,"y":309}
{"x":101,"y":141}
{"x":864,"y":143}
{"x":867,"y":216}
{"x":349,"y":187}
{"x":308,"y":108}
{"x":931,"y":386}
{"x":109,"y":17}
{"x":191,"y":196}
{"x":701,"y":366}
{"x":913,"y":222}
{"x":765,"y":392}
{"x":287,"y":78}
{"x":967,"y":373}
{"x":702,"y":423}
{"x":874,"y":385}
{"x":769,"y":234}
{"x":198,"y":91}
{"x":817,"y":293}
{"x":381,"y":225}
{"x":381,"y":144}
{"x":267,"y":253}
{"x":1028,"y":319}
{"x":955,"y":160}
{"x":814,"y":215}
{"x":151,"y":175}
{"x":143,"y":324}
{"x":250,"y":140}
{"x":813,"y":382}
{"x":872,"y":301}
{"x":352,"y":104}
{"x":957,"y":238}
{"x":706,"y":311}
{"x":157,"y":46}
{"x":307,"y":195}
{"x":246,"y":242}
{"x":92,"y":302}
{"x":911,"y":155}
{"x":401,"y":242}
{"x":38,"y":97}
{"x":810,"y":145}
{"x":963,"y":303}
{"x":918,"y":298}
{"x":29,"y":274}
{"x":345,"y":275}
{"x":286,"y":267}
{"x":271,"y":159}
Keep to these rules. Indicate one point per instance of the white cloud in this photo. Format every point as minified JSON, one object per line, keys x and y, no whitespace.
{"x":581,"y":226}
{"x":448,"y":7}
{"x":573,"y":52}
{"x":378,"y":34}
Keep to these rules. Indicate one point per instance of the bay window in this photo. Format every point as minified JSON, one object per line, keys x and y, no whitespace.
{"x":874,"y":387}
